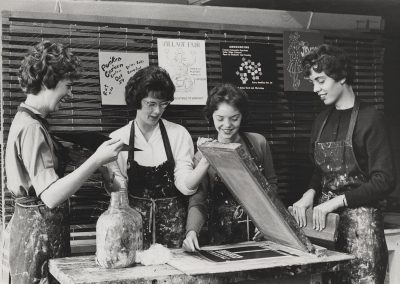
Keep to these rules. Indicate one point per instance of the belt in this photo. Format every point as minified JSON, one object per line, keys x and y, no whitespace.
{"x":153,"y":210}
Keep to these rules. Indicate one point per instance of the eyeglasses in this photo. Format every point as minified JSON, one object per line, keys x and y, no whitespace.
{"x":153,"y":105}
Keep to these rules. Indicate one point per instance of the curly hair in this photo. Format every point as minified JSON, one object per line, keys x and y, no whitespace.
{"x":46,"y":64}
{"x":230,"y":94}
{"x":330,"y":59}
{"x":151,"y":79}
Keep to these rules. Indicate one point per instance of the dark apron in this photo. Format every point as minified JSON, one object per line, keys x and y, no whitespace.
{"x":361,"y":231}
{"x":152,"y":192}
{"x":37,"y":233}
{"x":229,"y":222}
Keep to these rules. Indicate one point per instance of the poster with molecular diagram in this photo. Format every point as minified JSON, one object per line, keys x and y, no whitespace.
{"x":250,"y":66}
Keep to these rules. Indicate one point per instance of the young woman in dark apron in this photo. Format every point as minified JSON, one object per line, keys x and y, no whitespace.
{"x":227,"y":109}
{"x":353,"y":168}
{"x":39,"y":228}
{"x":160,"y":175}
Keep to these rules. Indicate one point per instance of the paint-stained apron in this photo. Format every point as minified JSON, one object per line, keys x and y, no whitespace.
{"x":229,"y":222}
{"x":35,"y":233}
{"x":152,"y":192}
{"x":361,"y":231}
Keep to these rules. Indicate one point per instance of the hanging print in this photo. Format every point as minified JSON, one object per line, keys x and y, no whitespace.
{"x":295,"y":46}
{"x":250,"y":66}
{"x":115,"y":70}
{"x":185,"y":61}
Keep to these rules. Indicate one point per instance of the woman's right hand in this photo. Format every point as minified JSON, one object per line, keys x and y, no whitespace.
{"x":300,"y":207}
{"x":108,"y":151}
{"x":191,"y":243}
{"x":203,"y":140}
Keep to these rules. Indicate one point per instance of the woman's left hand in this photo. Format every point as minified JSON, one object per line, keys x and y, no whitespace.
{"x":320,"y":212}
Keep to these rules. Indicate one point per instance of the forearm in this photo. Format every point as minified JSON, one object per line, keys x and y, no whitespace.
{"x":196,"y":219}
{"x":63,"y":188}
{"x":194,"y":178}
{"x":370,"y":192}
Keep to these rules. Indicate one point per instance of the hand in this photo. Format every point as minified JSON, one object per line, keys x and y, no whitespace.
{"x":320,"y":212}
{"x":191,"y":244}
{"x":300,"y":207}
{"x":108,"y":151}
{"x":203,"y":140}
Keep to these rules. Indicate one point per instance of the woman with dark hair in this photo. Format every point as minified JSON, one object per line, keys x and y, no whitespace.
{"x":353,"y":167}
{"x":35,"y":163}
{"x":160,"y":175}
{"x":226,"y":109}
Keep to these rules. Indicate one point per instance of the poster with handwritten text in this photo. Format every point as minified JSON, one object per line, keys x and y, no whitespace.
{"x":115,"y":70}
{"x":296,"y":45}
{"x":185,"y":61}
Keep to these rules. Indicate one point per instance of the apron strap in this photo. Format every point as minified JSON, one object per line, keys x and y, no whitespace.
{"x":35,"y":116}
{"x":167,"y":144}
{"x":252,"y":151}
{"x":131,"y":152}
{"x":323,"y":124}
{"x":353,"y":120}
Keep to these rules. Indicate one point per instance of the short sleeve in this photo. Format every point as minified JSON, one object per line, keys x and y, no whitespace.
{"x":37,"y":157}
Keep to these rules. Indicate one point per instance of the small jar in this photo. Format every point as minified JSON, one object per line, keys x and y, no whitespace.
{"x":119,"y":233}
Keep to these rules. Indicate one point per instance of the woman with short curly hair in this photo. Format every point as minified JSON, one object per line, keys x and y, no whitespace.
{"x":35,"y":163}
{"x":353,"y":167}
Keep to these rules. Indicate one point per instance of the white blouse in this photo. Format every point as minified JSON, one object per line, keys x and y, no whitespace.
{"x":153,"y":153}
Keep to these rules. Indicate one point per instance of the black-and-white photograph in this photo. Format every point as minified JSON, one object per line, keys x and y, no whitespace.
{"x":200,"y":141}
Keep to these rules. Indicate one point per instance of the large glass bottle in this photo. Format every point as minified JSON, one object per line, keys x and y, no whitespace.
{"x":119,"y":233}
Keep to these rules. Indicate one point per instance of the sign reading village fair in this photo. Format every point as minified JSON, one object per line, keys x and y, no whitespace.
{"x":250,"y":66}
{"x":115,"y":70}
{"x":185,"y":61}
{"x":295,"y":46}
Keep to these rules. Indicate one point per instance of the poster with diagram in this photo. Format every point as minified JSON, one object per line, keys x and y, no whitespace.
{"x":295,"y":46}
{"x":250,"y":66}
{"x":115,"y":70}
{"x":185,"y":61}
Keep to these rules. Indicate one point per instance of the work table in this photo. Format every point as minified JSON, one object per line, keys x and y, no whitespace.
{"x":294,"y":269}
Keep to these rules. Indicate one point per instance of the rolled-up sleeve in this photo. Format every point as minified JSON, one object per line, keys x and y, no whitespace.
{"x":184,"y":152}
{"x":37,"y":157}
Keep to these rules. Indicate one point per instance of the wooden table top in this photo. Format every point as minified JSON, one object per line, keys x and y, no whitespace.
{"x":84,"y":270}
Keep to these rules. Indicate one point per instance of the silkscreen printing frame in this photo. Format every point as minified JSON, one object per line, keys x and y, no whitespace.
{"x":252,"y":190}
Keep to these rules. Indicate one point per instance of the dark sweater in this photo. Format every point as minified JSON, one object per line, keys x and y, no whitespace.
{"x":371,"y":148}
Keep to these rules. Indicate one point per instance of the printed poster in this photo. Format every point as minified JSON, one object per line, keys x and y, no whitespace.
{"x":185,"y":61}
{"x":295,"y":46}
{"x":250,"y":66}
{"x":115,"y":70}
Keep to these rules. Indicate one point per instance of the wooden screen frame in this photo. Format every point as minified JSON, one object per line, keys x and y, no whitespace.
{"x":236,"y":168}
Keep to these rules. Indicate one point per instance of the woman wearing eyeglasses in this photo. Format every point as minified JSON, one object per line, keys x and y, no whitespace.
{"x":160,"y":175}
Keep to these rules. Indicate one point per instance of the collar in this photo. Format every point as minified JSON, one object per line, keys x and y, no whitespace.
{"x":34,"y":110}
{"x":139,"y":134}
